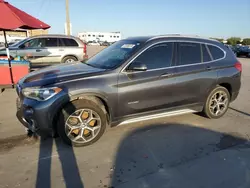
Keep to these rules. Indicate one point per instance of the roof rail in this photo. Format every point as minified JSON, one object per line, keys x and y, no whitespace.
{"x":179,"y":35}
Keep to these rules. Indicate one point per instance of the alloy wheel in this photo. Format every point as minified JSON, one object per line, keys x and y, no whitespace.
{"x":70,"y":61}
{"x":83,"y":125}
{"x":218,"y":103}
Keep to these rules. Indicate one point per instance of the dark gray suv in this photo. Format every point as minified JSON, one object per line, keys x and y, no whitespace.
{"x":133,"y":80}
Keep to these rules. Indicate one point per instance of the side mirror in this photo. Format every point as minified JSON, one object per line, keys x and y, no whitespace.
{"x":137,"y":66}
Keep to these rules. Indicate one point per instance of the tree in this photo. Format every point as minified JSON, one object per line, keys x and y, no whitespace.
{"x":246,"y":41}
{"x":233,"y":41}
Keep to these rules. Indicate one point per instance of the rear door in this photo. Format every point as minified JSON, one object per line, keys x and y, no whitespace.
{"x":194,"y":77}
{"x":153,"y":89}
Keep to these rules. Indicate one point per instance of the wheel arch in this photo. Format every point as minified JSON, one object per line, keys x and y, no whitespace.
{"x":97,"y":96}
{"x":69,"y":55}
{"x":228,"y":86}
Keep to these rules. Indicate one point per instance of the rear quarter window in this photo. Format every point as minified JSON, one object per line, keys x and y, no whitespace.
{"x":216,"y":52}
{"x":69,"y":42}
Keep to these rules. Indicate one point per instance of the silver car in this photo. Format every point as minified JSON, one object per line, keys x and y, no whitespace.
{"x":49,"y":49}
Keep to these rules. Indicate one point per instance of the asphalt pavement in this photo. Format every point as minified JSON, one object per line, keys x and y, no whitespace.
{"x":181,"y":151}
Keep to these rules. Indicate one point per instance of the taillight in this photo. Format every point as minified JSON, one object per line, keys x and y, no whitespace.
{"x":85,"y":49}
{"x":238,"y":66}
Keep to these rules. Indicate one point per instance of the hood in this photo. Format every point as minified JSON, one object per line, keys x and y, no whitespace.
{"x":10,"y":48}
{"x":58,"y":73}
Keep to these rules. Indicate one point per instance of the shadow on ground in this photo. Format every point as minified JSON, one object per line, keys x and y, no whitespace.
{"x":156,"y":155}
{"x":176,"y":155}
{"x":70,"y":170}
{"x":239,"y":111}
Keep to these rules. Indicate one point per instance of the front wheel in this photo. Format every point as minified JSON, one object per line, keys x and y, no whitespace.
{"x":82,"y":122}
{"x":217,"y":103}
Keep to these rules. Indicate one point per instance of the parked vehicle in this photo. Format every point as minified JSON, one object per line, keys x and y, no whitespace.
{"x":49,"y":49}
{"x":135,"y":79}
{"x":93,"y":43}
{"x":242,"y":51}
{"x":105,"y":43}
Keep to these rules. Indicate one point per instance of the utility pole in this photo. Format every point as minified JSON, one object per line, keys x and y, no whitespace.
{"x":67,"y":18}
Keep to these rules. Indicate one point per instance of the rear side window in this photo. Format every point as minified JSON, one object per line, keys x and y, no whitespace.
{"x":51,"y":42}
{"x":189,"y":53}
{"x":158,"y":56}
{"x":69,"y":42}
{"x":216,"y":52}
{"x":205,"y":54}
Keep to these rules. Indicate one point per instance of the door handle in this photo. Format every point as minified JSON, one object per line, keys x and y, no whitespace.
{"x":61,"y":49}
{"x":209,"y":68}
{"x":38,"y":50}
{"x":167,"y":75}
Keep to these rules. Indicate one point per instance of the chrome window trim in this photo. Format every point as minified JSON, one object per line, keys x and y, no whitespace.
{"x":177,"y":66}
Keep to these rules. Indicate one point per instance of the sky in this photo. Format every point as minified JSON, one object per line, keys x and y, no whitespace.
{"x":210,"y":18}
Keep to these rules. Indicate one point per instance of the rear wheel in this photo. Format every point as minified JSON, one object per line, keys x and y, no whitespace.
{"x":69,"y":59}
{"x":217,"y":103}
{"x":82,"y":122}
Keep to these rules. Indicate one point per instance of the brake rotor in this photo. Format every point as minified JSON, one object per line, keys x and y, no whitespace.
{"x":92,"y":123}
{"x":85,"y":115}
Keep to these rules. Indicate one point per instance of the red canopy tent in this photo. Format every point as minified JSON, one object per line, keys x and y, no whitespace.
{"x":13,"y":18}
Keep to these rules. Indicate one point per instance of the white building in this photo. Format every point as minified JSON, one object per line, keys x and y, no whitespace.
{"x":100,"y":36}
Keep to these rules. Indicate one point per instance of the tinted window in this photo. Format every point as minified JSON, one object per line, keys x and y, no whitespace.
{"x":206,"y":56}
{"x":33,"y":43}
{"x":70,"y":42}
{"x":158,"y":56}
{"x":189,"y":53}
{"x":215,"y":52}
{"x":50,"y":42}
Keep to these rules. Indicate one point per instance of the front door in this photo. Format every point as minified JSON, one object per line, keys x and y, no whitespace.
{"x":33,"y":50}
{"x":153,"y":89}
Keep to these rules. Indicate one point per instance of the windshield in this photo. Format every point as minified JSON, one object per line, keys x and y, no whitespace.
{"x":18,"y":42}
{"x":114,"y":55}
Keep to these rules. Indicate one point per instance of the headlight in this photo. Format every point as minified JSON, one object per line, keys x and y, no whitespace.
{"x":40,"y":94}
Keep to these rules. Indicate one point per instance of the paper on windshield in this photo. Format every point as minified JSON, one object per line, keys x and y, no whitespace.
{"x":128,"y":46}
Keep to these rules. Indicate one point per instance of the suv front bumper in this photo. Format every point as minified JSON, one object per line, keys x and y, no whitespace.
{"x":38,"y":116}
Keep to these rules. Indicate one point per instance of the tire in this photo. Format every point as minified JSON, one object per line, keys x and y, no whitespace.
{"x":69,"y":59}
{"x":208,"y":110}
{"x":89,"y":104}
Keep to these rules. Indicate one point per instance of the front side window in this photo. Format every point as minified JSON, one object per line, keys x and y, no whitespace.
{"x":189,"y":53}
{"x":114,"y":55}
{"x":33,"y":43}
{"x":216,"y":52}
{"x":158,"y":56}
